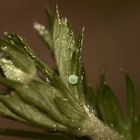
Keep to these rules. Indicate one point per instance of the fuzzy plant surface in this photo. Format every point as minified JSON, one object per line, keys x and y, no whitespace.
{"x":59,"y":100}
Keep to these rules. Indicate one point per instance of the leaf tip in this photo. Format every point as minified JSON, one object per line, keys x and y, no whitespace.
{"x":38,"y":26}
{"x":57,"y":11}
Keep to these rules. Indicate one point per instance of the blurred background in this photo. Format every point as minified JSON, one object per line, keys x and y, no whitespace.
{"x":112,"y":36}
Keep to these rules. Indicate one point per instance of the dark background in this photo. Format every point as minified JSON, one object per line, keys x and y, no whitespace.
{"x":111,"y":37}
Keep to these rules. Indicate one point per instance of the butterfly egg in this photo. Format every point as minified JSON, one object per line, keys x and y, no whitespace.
{"x":73,"y":79}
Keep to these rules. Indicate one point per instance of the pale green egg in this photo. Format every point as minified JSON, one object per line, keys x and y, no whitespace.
{"x":73,"y":79}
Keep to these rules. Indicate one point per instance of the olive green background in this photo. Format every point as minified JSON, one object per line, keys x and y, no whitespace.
{"x":112,"y":36}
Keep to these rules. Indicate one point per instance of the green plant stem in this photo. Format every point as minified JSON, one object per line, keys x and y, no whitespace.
{"x":101,"y":131}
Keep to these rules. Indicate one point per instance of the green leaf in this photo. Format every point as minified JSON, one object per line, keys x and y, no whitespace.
{"x":23,"y":134}
{"x":43,"y":99}
{"x":50,"y":17}
{"x":15,"y":63}
{"x":32,"y":115}
{"x":131,"y":107}
{"x":77,"y":120}
{"x":71,"y":113}
{"x":64,"y":47}
{"x":89,"y":94}
{"x":131,"y":98}
{"x":34,"y":135}
{"x":77,"y":68}
{"x":12,"y":46}
{"x":13,"y":73}
{"x":68,"y":55}
{"x":21,"y":45}
{"x":6,"y":112}
{"x":9,"y":83}
{"x":136,"y":128}
{"x":74,"y":63}
{"x":109,"y":108}
{"x":45,"y":35}
{"x":43,"y":96}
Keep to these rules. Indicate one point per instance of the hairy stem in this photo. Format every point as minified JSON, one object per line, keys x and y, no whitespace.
{"x":100,"y":131}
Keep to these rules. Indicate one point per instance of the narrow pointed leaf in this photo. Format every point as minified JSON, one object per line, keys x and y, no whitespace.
{"x":109,"y":108}
{"x":12,"y":46}
{"x":24,"y":46}
{"x":23,"y":134}
{"x":15,"y":63}
{"x":136,"y":128}
{"x":131,"y":107}
{"x":9,"y":83}
{"x":89,"y":93}
{"x":67,"y":109}
{"x":90,"y":97}
{"x":42,"y":100}
{"x":6,"y":112}
{"x":64,"y":47}
{"x":68,"y":56}
{"x":50,"y":18}
{"x":43,"y":96}
{"x":45,"y":35}
{"x":131,"y":98}
{"x":51,"y":75}
{"x":32,"y":115}
{"x":13,"y":73}
{"x":77,"y":68}
{"x":33,"y":135}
